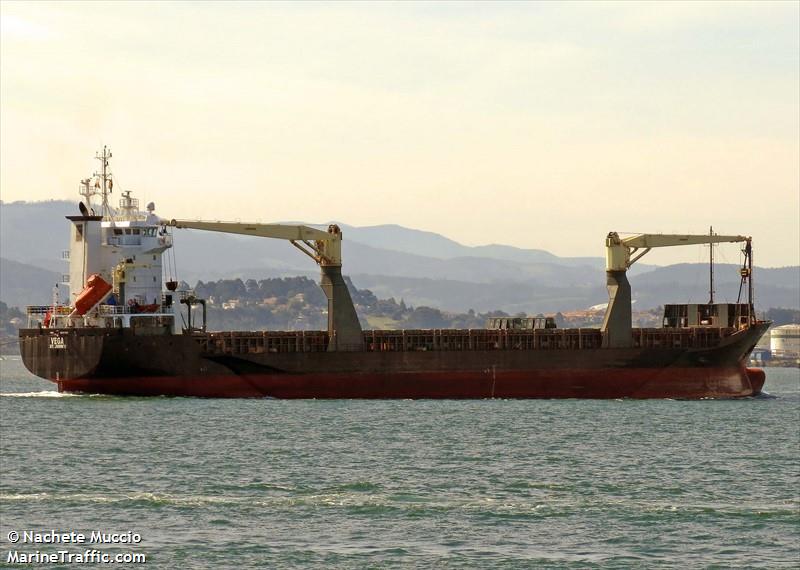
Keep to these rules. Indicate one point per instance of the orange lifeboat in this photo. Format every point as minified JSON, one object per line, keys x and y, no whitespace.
{"x":95,"y":291}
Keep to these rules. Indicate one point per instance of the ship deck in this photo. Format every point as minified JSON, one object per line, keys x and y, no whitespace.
{"x":250,"y":342}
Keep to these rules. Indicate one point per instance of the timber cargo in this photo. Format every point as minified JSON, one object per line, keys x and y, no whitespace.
{"x":128,"y":342}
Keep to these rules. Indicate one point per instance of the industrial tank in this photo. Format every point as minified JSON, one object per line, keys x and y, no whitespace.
{"x":785,"y":341}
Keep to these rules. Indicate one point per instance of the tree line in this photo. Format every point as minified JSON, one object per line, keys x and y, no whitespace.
{"x":299,"y":303}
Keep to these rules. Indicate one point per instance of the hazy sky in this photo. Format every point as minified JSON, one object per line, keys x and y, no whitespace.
{"x":540,"y":125}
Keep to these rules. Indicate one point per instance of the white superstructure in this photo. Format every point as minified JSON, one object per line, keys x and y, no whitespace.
{"x":124,"y":246}
{"x":125,"y":250}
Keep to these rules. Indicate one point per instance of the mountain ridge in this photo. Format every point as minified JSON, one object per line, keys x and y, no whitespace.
{"x":449,"y":275}
{"x":16,"y":217}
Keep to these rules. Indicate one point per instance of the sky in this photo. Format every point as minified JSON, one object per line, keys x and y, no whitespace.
{"x":538,"y":125}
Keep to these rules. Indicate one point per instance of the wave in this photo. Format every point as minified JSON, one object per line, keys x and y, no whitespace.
{"x":380,"y":503}
{"x":40,"y":394}
{"x":147,"y":498}
{"x":764,"y":395}
{"x":54,"y":394}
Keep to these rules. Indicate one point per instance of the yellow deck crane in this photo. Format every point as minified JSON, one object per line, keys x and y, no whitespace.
{"x":621,"y":253}
{"x":325,"y":248}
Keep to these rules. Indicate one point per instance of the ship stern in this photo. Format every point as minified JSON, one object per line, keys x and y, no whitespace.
{"x":61,"y":354}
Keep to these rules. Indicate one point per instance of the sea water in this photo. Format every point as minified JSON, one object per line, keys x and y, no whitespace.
{"x":402,"y":483}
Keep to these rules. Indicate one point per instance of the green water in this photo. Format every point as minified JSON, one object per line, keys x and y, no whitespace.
{"x":449,"y":484}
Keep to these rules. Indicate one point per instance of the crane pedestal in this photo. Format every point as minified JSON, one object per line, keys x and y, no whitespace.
{"x":343,"y":326}
{"x":617,"y":328}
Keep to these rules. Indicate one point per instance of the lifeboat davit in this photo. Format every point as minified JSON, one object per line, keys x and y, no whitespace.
{"x":95,"y":291}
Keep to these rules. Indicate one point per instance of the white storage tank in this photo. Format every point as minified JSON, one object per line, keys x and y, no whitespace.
{"x":785,"y":341}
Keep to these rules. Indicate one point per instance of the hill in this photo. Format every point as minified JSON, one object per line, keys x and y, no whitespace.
{"x":22,"y":284}
{"x":423,"y":268}
{"x":378,"y":250}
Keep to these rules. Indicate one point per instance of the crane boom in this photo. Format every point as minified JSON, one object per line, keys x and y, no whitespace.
{"x":620,"y":251}
{"x":323,"y":247}
{"x":666,"y":240}
{"x":279,"y":231}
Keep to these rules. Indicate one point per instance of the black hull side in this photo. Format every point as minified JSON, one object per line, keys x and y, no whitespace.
{"x":121,"y":361}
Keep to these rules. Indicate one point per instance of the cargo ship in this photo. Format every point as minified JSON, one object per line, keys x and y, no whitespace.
{"x":126,"y":330}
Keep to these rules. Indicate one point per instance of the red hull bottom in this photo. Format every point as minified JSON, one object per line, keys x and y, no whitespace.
{"x":688,"y":383}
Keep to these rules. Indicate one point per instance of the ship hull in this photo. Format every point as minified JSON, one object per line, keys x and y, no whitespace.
{"x":122,"y":362}
{"x":608,"y":383}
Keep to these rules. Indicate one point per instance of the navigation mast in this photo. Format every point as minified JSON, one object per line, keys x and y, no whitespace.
{"x":711,"y":268}
{"x":105,"y":182}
